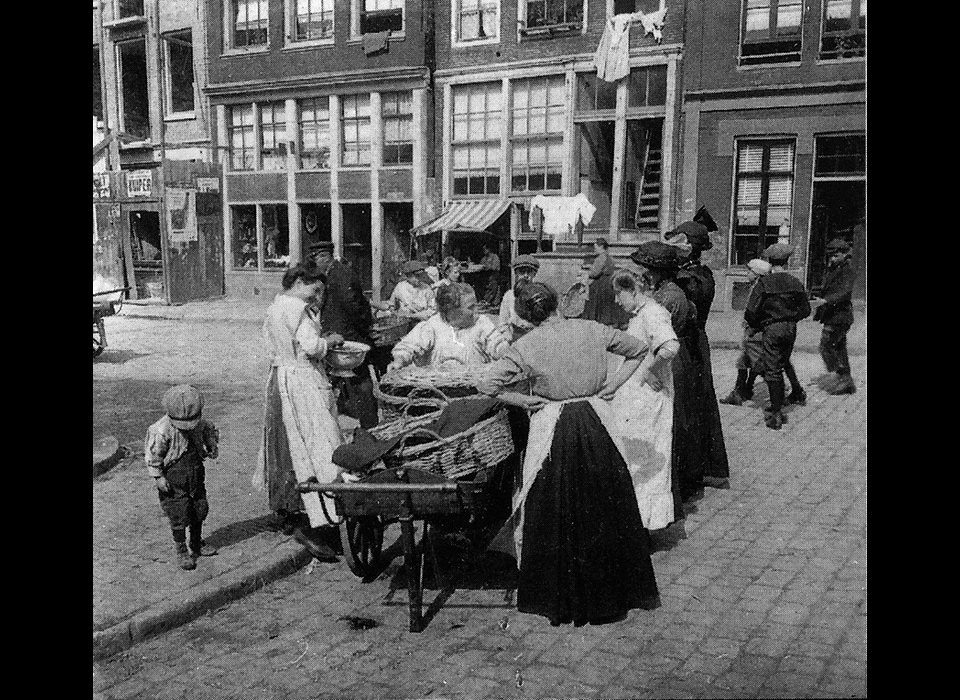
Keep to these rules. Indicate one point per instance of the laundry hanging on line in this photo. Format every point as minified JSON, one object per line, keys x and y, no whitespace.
{"x":561,"y":214}
{"x":612,"y":57}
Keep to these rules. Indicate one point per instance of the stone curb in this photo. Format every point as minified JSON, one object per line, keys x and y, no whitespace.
{"x":106,"y":453}
{"x":280,"y":562}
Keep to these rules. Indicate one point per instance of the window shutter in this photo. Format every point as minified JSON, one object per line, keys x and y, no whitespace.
{"x":781,"y":157}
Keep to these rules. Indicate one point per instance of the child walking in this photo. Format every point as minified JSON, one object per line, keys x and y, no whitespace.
{"x":176,"y":446}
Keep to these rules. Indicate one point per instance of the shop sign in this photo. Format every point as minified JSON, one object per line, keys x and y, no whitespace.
{"x":181,"y":216}
{"x":101,"y":185}
{"x":208,"y":184}
{"x":140,"y":183}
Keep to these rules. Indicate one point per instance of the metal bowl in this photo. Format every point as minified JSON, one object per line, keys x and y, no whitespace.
{"x":344,"y":359}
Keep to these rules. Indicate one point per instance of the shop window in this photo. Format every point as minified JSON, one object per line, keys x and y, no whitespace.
{"x":315,"y":133}
{"x":477,"y":124}
{"x":355,"y":129}
{"x":179,"y":85}
{"x":273,"y":132}
{"x":844,"y":29}
{"x":276,"y":235}
{"x":381,"y":16}
{"x":841,"y":155}
{"x":244,"y":237}
{"x":315,"y":223}
{"x":397,"y":109}
{"x":764,"y":197}
{"x":129,"y":8}
{"x":249,"y":23}
{"x":647,"y":87}
{"x":594,"y":93}
{"x":547,"y":17}
{"x":97,"y":87}
{"x":538,"y":118}
{"x":312,"y":19}
{"x":772,"y":31}
{"x":134,"y":100}
{"x":477,"y":19}
{"x":242,"y":142}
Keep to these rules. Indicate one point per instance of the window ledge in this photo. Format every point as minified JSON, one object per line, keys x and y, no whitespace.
{"x":309,"y":44}
{"x":312,"y":170}
{"x":834,"y":61}
{"x":143,"y":143}
{"x":467,"y":43}
{"x":234,"y":53}
{"x":125,"y":22}
{"x":396,"y":166}
{"x":180,"y":116}
{"x":358,"y":40}
{"x":550,"y":31}
{"x":755,"y":66}
{"x":355,"y":168}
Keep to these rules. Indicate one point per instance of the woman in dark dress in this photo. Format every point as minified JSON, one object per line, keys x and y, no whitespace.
{"x":661,"y":262}
{"x":696,"y":281}
{"x":601,"y":303}
{"x":575,"y":530}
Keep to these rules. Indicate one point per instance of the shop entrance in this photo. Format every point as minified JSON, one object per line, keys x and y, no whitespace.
{"x":146,"y":252}
{"x":839,"y":211}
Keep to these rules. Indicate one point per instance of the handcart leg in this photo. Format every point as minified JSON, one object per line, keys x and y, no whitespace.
{"x":412,"y":560}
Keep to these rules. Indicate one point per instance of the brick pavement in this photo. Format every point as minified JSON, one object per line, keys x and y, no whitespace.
{"x":763,"y":587}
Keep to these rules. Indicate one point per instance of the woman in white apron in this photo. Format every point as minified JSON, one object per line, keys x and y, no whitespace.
{"x":577,"y":535}
{"x":300,"y":430}
{"x":643,"y":406}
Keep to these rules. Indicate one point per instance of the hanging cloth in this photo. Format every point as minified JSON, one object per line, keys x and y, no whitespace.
{"x":612,"y":57}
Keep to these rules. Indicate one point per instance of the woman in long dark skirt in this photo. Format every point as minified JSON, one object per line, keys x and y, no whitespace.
{"x":576,"y":530}
{"x":601,"y":303}
{"x":661,"y":262}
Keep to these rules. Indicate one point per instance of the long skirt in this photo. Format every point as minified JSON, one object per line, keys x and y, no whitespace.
{"x":686,"y":448}
{"x":586,"y":554}
{"x":601,"y":305}
{"x":714,"y":451}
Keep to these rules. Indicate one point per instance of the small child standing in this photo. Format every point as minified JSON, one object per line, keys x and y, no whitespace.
{"x":176,"y":446}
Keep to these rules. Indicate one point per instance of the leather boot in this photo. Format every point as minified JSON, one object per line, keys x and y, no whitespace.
{"x":739,"y":393}
{"x":318,"y":549}
{"x":732,"y":399}
{"x":747,"y":390}
{"x":773,"y":417}
{"x":184,"y":560}
{"x":797,"y":395}
{"x":844,"y":385}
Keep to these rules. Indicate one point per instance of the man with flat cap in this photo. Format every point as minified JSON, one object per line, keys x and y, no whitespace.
{"x":696,"y":281}
{"x":525,"y":268}
{"x":835,"y":312}
{"x":777,"y":301}
{"x":346,"y":311}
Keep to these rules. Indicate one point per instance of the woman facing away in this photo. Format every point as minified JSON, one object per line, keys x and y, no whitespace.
{"x":643,"y":406}
{"x":601,"y":305}
{"x":575,"y":530}
{"x":300,"y":430}
{"x":455,"y":335}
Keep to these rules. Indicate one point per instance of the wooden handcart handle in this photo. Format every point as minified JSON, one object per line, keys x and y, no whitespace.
{"x":340,"y":487}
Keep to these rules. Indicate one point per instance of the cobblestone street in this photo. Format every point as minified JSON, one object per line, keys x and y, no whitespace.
{"x":763,"y":586}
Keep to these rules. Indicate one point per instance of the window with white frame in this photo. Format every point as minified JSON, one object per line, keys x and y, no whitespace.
{"x":477,"y":19}
{"x":273,"y":132}
{"x":397,"y":110}
{"x":315,"y":133}
{"x":844,"y":29}
{"x":537,"y":119}
{"x":311,"y":20}
{"x":242,"y":137}
{"x":477,"y":124}
{"x":249,"y":23}
{"x":763,"y":197}
{"x":772,"y":31}
{"x":355,"y":129}
{"x":551,"y":15}
{"x":179,"y":83}
{"x":381,"y":16}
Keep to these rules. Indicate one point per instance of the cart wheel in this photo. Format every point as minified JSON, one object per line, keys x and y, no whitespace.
{"x":362,"y":540}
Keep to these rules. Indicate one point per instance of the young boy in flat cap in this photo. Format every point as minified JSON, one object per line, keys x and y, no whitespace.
{"x":835,"y":312}
{"x":175,"y":448}
{"x":525,"y":268}
{"x":777,"y":301}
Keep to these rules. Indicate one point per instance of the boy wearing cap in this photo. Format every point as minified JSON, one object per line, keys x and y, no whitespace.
{"x":835,"y":312}
{"x":412,"y":297}
{"x":525,"y":268}
{"x":777,"y":301}
{"x":175,"y":448}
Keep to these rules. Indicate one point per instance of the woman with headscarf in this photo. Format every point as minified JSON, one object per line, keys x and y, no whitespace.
{"x":661,"y":262}
{"x":576,"y":529}
{"x":644,"y":404}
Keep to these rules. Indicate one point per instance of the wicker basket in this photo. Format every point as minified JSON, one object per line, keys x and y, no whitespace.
{"x":425,"y":386}
{"x":467,"y":453}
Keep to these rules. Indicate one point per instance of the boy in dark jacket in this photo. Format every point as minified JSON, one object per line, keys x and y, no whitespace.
{"x":835,"y":312}
{"x":777,"y":301}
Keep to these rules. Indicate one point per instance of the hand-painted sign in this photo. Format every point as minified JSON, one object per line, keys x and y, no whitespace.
{"x":101,"y":185}
{"x":140,"y":183}
{"x":208,"y":184}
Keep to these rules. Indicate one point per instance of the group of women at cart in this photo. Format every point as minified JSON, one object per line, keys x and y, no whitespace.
{"x":623,"y":422}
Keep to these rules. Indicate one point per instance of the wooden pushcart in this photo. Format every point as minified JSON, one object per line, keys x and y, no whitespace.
{"x":100,"y":310}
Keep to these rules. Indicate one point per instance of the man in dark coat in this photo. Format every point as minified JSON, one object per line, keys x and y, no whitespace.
{"x":777,"y":301}
{"x":835,"y":312}
{"x":347,"y":311}
{"x":696,"y":281}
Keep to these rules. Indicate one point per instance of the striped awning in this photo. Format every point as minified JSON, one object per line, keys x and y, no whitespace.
{"x":467,"y":215}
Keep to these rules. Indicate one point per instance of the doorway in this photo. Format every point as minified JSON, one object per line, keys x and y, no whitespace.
{"x":146,"y":253}
{"x":839,"y":211}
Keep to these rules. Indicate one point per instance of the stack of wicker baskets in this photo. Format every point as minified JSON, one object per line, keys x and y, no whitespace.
{"x":414,"y":397}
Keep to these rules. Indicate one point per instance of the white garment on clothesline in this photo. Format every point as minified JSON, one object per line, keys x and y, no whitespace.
{"x":561,"y":214}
